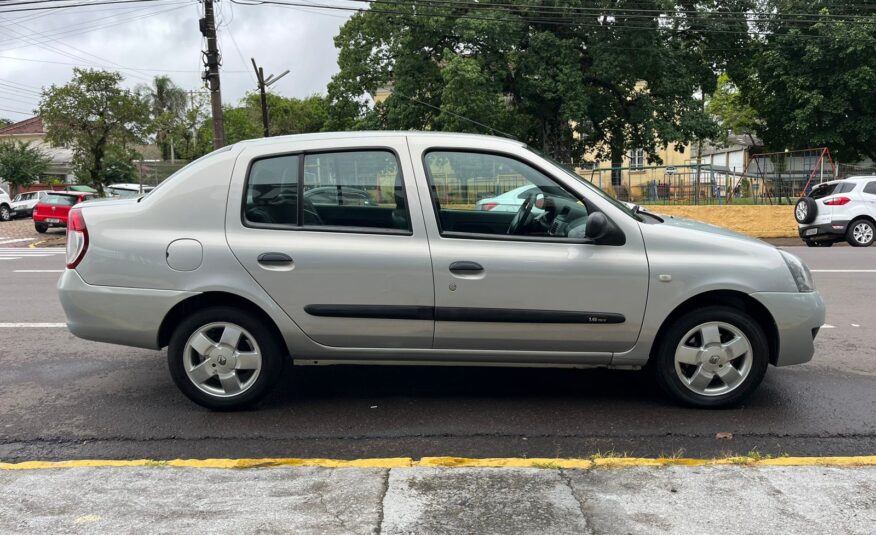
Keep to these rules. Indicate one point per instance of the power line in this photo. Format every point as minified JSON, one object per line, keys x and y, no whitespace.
{"x":16,"y":111}
{"x":87,"y":4}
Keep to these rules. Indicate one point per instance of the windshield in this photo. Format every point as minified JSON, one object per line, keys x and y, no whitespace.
{"x":620,"y":206}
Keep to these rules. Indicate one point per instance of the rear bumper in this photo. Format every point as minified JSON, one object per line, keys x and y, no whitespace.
{"x":828,"y":231}
{"x":125,"y":316}
{"x":42,"y":219}
{"x":798,"y":317}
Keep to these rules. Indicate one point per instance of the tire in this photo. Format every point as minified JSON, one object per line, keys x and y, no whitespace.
{"x":41,"y":227}
{"x":5,"y":213}
{"x":733,"y":326}
{"x":812,"y":243}
{"x":213,"y":393}
{"x":861,"y":233}
{"x":805,"y":210}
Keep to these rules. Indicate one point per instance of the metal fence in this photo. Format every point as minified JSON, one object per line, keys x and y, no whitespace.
{"x":152,"y":172}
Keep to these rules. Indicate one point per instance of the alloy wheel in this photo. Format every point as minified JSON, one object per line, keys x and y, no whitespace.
{"x":801,"y":210}
{"x":713,"y":358}
{"x":863,"y":233}
{"x":5,"y":214}
{"x":222,"y":359}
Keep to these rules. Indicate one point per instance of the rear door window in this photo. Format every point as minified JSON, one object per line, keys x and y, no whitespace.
{"x":272,"y":191}
{"x":823,"y":190}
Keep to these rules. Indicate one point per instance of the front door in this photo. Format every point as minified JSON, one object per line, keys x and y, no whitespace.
{"x":348,"y":258}
{"x":512,"y":271}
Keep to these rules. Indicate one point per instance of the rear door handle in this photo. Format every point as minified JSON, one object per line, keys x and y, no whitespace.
{"x":274,"y":259}
{"x":466,"y":267}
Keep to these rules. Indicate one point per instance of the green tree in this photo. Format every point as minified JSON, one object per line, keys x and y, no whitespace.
{"x":728,"y":106}
{"x":95,"y":115}
{"x":21,"y":163}
{"x":812,"y":82}
{"x":5,"y":122}
{"x":289,"y":115}
{"x":562,"y":77}
{"x":167,"y":103}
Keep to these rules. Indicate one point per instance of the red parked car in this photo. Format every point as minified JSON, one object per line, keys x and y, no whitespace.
{"x":54,"y":209}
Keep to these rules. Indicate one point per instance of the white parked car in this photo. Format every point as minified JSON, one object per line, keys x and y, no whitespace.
{"x":509,"y":201}
{"x":5,"y":206}
{"x":23,"y":203}
{"x":839,"y":210}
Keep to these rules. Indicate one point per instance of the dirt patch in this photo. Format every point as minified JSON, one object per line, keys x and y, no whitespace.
{"x":757,"y":221}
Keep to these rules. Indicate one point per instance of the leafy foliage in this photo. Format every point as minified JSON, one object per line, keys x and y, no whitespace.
{"x":21,"y":163}
{"x":812,"y":83}
{"x":564,"y":82}
{"x":728,"y":106}
{"x":95,"y":115}
{"x":167,"y":104}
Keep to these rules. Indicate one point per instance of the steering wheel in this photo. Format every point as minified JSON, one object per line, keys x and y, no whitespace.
{"x":523,"y":212}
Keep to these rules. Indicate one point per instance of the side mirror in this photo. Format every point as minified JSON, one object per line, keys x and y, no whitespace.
{"x":603,"y":231}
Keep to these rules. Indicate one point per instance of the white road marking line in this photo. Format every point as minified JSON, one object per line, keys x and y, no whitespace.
{"x":24,"y":255}
{"x":10,"y":258}
{"x":38,"y":271}
{"x":17,"y":240}
{"x":826,"y":326}
{"x":843,"y":270}
{"x":855,"y":325}
{"x":32,"y":325}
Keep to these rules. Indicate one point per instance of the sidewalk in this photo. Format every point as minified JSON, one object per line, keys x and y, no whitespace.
{"x":710,"y":499}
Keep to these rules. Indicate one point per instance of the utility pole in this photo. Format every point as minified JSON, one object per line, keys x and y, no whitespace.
{"x":211,"y":73}
{"x":263,"y":85}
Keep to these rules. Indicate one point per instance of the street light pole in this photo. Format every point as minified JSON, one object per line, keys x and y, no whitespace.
{"x":263,"y":85}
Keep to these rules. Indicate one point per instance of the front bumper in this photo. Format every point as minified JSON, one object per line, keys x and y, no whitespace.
{"x":798,"y":317}
{"x":125,"y":316}
{"x":828,"y":231}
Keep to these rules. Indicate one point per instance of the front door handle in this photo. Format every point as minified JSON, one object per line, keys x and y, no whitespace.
{"x":466,"y":267}
{"x":274,"y":259}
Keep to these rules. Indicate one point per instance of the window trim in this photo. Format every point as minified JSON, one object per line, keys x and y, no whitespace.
{"x":299,"y":222}
{"x":499,"y":237}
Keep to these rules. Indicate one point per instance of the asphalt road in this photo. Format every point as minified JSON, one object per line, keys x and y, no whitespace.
{"x":65,"y":398}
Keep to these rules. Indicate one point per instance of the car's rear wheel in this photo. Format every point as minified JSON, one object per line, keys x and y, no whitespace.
{"x":813,"y":243}
{"x":41,"y":227}
{"x":712,"y":357}
{"x":5,"y":213}
{"x":224,"y":359}
{"x":860,"y":233}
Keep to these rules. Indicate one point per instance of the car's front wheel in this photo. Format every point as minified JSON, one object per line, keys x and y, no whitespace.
{"x":860,"y":233}
{"x":711,"y":357}
{"x":224,"y":359}
{"x":5,"y":213}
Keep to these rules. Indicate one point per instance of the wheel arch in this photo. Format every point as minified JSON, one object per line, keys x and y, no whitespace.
{"x":866,"y":216}
{"x":212,"y":299}
{"x":730,"y":298}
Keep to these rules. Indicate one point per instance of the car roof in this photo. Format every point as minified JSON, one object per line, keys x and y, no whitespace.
{"x":860,"y":178}
{"x":367,"y":134}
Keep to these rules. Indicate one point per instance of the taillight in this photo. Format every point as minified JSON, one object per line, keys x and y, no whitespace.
{"x":77,"y":237}
{"x":489,"y":205}
{"x":837,"y":201}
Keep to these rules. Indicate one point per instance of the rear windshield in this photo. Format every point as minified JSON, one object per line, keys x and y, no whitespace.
{"x":823,"y":190}
{"x":61,"y":200}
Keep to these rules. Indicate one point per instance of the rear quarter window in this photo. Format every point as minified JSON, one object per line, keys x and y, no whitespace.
{"x":823,"y":190}
{"x":870,"y":188}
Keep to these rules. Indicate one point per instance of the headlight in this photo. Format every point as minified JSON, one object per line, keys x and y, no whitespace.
{"x":801,"y":274}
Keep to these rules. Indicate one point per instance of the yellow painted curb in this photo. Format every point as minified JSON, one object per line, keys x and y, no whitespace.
{"x":449,"y":462}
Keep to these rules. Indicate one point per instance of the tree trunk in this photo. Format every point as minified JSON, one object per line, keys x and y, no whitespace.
{"x":617,"y":161}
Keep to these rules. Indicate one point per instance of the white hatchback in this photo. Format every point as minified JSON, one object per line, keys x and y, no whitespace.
{"x":839,"y":210}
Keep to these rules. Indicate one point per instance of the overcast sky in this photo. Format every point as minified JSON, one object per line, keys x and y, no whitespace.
{"x":163,"y":36}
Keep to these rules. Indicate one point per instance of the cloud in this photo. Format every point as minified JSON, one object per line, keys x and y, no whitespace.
{"x":162,"y":37}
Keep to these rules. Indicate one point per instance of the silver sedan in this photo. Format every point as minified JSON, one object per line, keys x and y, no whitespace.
{"x":232,"y":266}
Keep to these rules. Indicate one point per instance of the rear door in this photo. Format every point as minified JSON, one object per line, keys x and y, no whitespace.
{"x":350,"y":274}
